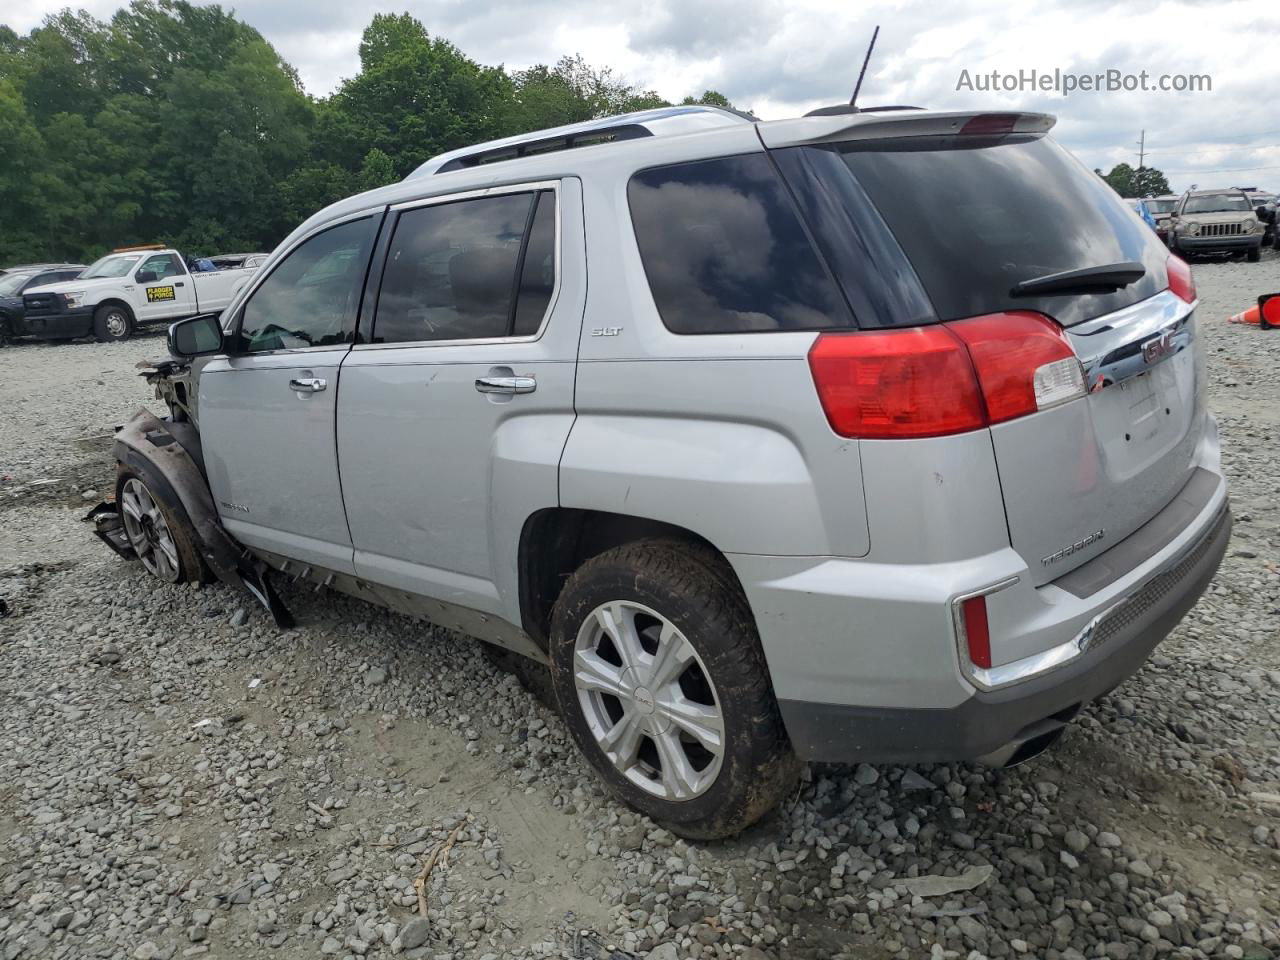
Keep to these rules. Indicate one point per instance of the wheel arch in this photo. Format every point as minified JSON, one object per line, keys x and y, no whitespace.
{"x":116,"y":302}
{"x":555,"y":541}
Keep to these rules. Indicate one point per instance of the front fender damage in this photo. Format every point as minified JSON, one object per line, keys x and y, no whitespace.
{"x":156,"y":449}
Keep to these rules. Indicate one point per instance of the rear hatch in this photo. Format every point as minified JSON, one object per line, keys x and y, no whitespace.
{"x":982,"y":220}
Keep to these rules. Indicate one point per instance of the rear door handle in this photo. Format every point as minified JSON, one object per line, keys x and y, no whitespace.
{"x":506,"y":384}
{"x":307,"y":384}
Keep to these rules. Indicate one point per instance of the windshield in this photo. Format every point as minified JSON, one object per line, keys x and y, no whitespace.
{"x":1223,"y":203}
{"x":111,"y":266}
{"x":999,"y":195}
{"x":11,"y":283}
{"x":1161,"y":206}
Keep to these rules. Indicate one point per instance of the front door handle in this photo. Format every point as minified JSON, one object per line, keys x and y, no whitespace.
{"x":179,"y":284}
{"x":307,"y":384}
{"x":506,"y":384}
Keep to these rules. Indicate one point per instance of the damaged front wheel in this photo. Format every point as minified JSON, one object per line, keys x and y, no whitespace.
{"x":161,"y":540}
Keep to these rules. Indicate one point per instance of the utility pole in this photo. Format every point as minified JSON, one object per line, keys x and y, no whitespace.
{"x":1142,"y":148}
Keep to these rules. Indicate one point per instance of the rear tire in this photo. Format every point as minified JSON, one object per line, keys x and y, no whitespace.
{"x":1254,"y":254}
{"x":112,"y":322}
{"x":692,"y":737}
{"x":160,"y":532}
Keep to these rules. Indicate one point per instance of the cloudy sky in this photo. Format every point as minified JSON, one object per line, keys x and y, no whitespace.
{"x":782,"y":57}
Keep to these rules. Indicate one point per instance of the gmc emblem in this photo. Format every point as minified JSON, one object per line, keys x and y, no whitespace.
{"x":1158,"y":347}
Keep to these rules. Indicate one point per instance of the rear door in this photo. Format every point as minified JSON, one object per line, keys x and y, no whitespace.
{"x":168,"y":293}
{"x":454,"y":414}
{"x":267,"y":408}
{"x":975,"y":217}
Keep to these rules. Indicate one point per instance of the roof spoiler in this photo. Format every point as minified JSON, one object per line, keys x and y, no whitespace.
{"x":907,"y":123}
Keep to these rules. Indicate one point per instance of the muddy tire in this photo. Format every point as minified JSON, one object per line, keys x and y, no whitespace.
{"x":661,"y":679}
{"x":112,"y":322}
{"x":158,"y":528}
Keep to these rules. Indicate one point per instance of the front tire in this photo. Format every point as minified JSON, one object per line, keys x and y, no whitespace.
{"x":1254,"y":254}
{"x":112,"y":323}
{"x":658,"y":671}
{"x":6,"y":331}
{"x":160,"y":534}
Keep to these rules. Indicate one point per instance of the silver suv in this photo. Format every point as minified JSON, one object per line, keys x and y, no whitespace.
{"x":715,"y":419}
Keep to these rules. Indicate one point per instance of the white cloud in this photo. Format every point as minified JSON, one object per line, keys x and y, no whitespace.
{"x":782,"y":57}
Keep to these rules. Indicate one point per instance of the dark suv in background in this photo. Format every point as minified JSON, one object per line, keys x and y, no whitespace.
{"x":14,"y":280}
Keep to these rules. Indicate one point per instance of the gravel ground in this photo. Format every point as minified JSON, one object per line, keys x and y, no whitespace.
{"x":178,"y":777}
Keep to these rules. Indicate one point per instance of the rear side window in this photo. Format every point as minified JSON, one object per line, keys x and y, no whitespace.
{"x":724,"y":250}
{"x":468,"y":270}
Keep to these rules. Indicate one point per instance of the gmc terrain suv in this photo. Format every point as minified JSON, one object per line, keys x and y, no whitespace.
{"x":715,"y":419}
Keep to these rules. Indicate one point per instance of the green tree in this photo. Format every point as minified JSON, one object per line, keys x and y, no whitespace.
{"x":1149,"y":182}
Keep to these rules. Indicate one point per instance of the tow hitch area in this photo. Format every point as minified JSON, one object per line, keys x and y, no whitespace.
{"x":154,"y":449}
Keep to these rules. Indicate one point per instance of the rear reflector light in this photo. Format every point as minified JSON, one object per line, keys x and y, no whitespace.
{"x":1181,"y":283}
{"x":943,"y":379}
{"x":977,"y":634}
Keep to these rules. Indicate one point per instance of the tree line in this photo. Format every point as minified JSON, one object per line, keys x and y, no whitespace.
{"x":180,"y":124}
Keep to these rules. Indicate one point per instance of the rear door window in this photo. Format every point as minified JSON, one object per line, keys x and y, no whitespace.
{"x":725,"y":252}
{"x":474,"y":269}
{"x":977,"y":217}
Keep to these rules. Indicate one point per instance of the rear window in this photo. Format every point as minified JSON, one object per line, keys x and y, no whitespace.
{"x":999,"y":212}
{"x":724,"y":250}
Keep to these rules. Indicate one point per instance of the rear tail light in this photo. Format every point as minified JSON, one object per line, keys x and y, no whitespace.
{"x":943,"y":379}
{"x":977,"y":633}
{"x":1181,"y":283}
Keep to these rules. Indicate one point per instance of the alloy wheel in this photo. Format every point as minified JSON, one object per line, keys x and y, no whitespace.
{"x":648,"y":700}
{"x":148,"y":531}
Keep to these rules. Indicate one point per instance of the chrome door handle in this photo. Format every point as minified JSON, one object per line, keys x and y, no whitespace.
{"x":506,"y":384}
{"x":307,"y":384}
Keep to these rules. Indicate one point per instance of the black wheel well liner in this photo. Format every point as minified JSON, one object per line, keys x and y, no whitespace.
{"x":115,"y":301}
{"x":557,"y":540}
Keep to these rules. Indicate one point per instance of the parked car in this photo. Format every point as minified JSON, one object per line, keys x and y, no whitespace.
{"x":1216,"y":221}
{"x":15,"y":280}
{"x":1139,"y":207}
{"x":125,"y":289}
{"x":233,"y":261}
{"x":719,"y":422}
{"x":1264,"y":204}
{"x":1160,"y":208}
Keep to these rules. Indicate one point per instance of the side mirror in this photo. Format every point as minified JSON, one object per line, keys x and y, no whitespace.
{"x":195,"y":337}
{"x":146,"y":276}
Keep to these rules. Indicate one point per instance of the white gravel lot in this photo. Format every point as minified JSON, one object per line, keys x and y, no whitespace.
{"x":173,"y":785}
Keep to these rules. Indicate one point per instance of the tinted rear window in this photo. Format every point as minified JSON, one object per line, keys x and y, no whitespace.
{"x":998,"y":212}
{"x":725,"y":252}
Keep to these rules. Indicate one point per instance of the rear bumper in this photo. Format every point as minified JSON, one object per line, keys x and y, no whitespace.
{"x":988,"y":721}
{"x":865,"y":660}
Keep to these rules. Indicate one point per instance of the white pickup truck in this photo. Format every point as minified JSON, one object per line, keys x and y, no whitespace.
{"x":126,"y":288}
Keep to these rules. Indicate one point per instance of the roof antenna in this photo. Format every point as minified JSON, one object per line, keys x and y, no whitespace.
{"x":865,"y":60}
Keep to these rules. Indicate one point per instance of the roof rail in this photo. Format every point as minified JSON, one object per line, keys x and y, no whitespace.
{"x":664,"y":121}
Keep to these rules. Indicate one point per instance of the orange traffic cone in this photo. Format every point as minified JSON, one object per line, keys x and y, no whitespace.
{"x":1251,"y":315}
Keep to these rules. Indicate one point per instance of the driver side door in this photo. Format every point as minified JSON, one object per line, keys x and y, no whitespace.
{"x":169,"y":294}
{"x":267,"y":408}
